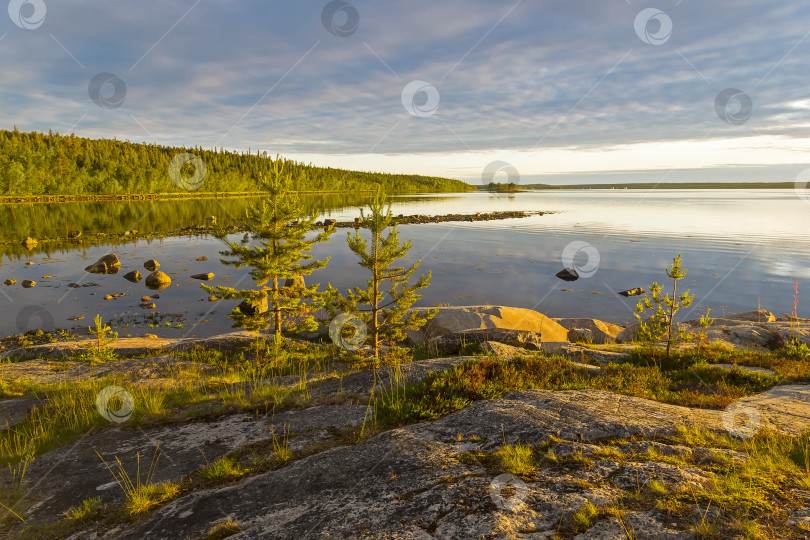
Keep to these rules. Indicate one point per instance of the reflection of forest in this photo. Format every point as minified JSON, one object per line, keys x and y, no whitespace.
{"x":156,"y":217}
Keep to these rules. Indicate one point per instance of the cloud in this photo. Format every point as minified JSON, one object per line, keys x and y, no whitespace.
{"x":527,"y":77}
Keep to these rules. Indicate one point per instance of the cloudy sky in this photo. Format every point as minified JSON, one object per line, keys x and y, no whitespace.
{"x":564,"y":91}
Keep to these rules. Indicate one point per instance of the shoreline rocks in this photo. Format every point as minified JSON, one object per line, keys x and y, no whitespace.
{"x":108,"y":264}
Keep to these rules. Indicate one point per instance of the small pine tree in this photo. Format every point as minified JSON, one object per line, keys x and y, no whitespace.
{"x":387,"y":314}
{"x":279,"y":253}
{"x":664,"y":307}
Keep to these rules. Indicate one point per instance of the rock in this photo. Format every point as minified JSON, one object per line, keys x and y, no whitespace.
{"x":29,"y":242}
{"x":30,"y":263}
{"x":568,"y":274}
{"x":47,"y":277}
{"x":10,"y":282}
{"x":232,"y":229}
{"x":158,"y":280}
{"x":253,"y":307}
{"x":578,"y":353}
{"x":134,"y":276}
{"x":108,"y":297}
{"x":633,"y":292}
{"x":155,"y":296}
{"x":27,"y":283}
{"x":201,"y":259}
{"x":449,"y":344}
{"x":211,"y":220}
{"x":757,"y":315}
{"x":295,"y":282}
{"x":589,"y":330}
{"x":203,"y":277}
{"x":358,"y":221}
{"x":417,"y":479}
{"x":449,"y":320}
{"x":108,"y":264}
{"x":14,"y":411}
{"x":677,"y":477}
{"x":146,"y":298}
{"x":151,"y":265}
{"x":148,"y":305}
{"x":329,"y":223}
{"x":74,"y":234}
{"x":502,"y":350}
{"x":214,"y":298}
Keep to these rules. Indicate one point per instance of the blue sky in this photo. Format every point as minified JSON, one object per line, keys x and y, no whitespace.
{"x":565,"y":91}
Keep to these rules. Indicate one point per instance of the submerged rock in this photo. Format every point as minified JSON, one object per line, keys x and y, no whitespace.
{"x":568,"y":274}
{"x":633,"y":292}
{"x":108,"y":264}
{"x":158,"y":280}
{"x":203,"y":277}
{"x":134,"y":276}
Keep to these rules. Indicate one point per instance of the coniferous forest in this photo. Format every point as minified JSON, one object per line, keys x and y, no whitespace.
{"x":36,"y":164}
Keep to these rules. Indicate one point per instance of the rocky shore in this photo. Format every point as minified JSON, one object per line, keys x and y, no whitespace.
{"x":317,"y":459}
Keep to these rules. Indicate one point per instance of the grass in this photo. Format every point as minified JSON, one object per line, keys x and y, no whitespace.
{"x":223,"y":530}
{"x":224,"y":469}
{"x":85,"y":510}
{"x":517,"y":459}
{"x":142,"y":495}
{"x":489,"y":378}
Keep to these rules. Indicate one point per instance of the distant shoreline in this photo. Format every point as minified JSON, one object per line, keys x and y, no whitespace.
{"x":673,"y":185}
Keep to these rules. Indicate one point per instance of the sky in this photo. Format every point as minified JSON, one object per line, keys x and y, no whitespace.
{"x":550,"y":91}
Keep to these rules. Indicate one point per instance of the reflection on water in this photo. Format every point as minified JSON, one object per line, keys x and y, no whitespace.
{"x":743,"y":249}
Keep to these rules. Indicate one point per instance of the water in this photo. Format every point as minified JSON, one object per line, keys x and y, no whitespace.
{"x":743,"y":249}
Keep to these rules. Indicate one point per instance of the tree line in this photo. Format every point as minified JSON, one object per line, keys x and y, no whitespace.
{"x":38,"y":164}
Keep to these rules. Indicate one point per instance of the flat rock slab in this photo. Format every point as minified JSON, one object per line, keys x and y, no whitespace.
{"x":141,"y":345}
{"x":408,"y":482}
{"x":159,"y":371}
{"x":64,"y":477}
{"x":579,"y":352}
{"x":784,"y":407}
{"x":15,"y":410}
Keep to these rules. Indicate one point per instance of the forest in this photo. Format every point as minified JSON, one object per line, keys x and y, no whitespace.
{"x":38,"y":164}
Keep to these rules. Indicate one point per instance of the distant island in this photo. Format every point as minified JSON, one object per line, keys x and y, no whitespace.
{"x":37,"y":165}
{"x":668,"y":185}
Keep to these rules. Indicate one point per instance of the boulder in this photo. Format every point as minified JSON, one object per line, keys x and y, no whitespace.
{"x":633,"y":292}
{"x":151,"y":265}
{"x":108,"y":264}
{"x":29,"y":242}
{"x":502,"y":350}
{"x":757,"y":315}
{"x":27,"y":283}
{"x":203,"y":277}
{"x":201,"y":258}
{"x":15,"y":411}
{"x":449,"y":320}
{"x":296,"y":282}
{"x":134,"y":276}
{"x":329,"y":223}
{"x":232,"y":229}
{"x":590,"y":330}
{"x":450,"y":344}
{"x":10,"y":282}
{"x":252,"y":307}
{"x":158,"y":280}
{"x":568,"y":274}
{"x":74,"y":234}
{"x":148,"y":305}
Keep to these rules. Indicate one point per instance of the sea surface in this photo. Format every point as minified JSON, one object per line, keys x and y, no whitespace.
{"x":743,"y":250}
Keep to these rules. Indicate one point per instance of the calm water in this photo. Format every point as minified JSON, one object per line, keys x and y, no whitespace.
{"x":743,"y":249}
